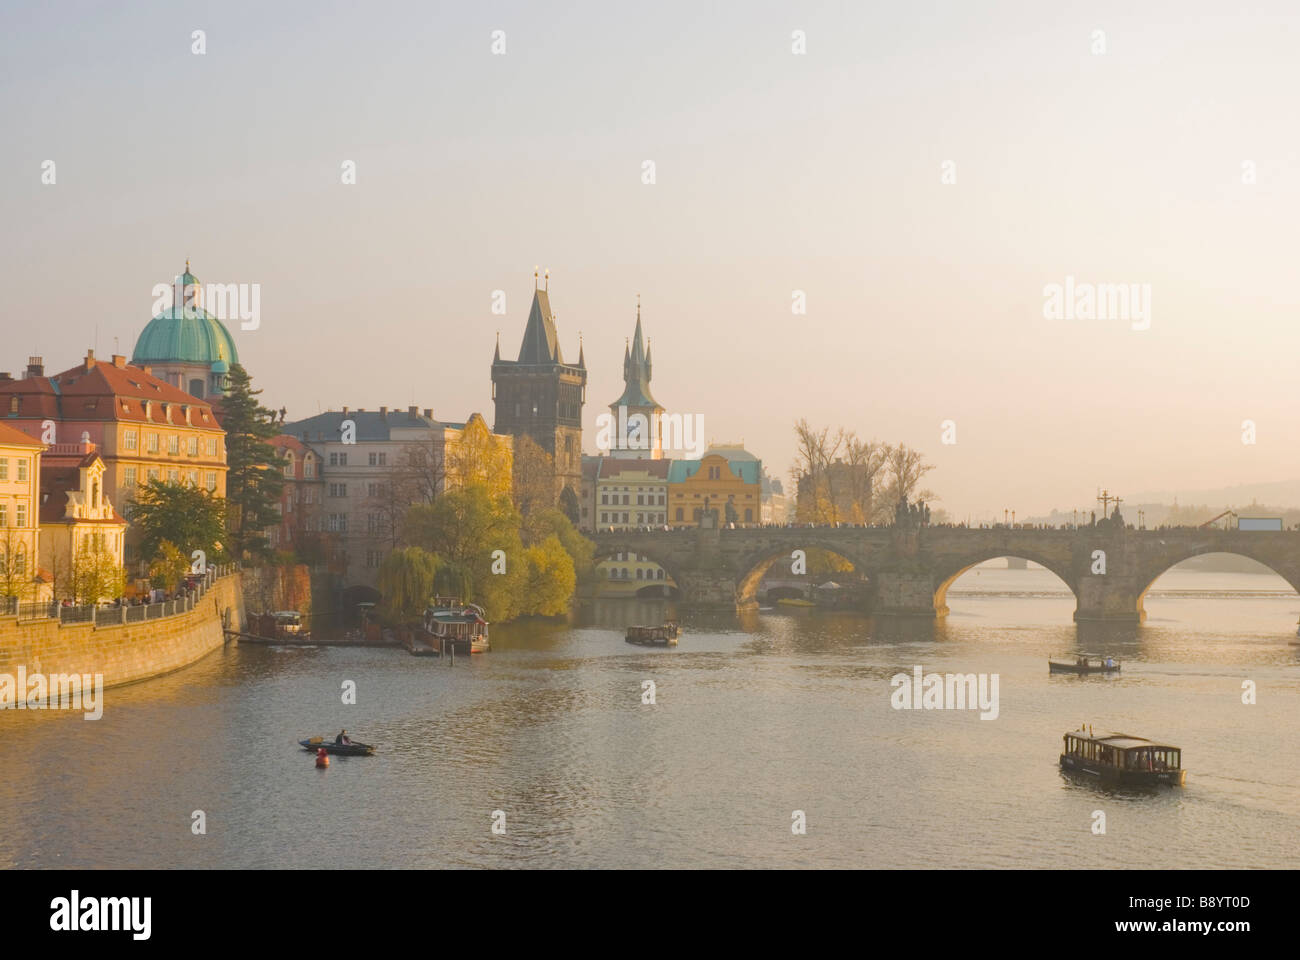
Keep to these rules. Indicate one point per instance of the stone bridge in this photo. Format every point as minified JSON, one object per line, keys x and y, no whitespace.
{"x":910,"y":568}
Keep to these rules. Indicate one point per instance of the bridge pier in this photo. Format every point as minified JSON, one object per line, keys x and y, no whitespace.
{"x":905,"y":593}
{"x":1108,"y":599}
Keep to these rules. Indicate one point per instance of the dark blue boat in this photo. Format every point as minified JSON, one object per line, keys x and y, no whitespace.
{"x":352,"y":749}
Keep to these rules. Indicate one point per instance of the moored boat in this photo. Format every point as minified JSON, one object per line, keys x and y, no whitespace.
{"x":352,"y":749}
{"x":280,"y":625}
{"x":1122,"y":758}
{"x":1084,"y":663}
{"x":664,"y":635}
{"x":452,"y":626}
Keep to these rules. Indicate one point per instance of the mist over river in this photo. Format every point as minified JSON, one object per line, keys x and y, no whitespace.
{"x":756,"y":715}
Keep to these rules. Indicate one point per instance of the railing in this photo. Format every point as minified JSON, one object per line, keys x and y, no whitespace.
{"x":110,"y":614}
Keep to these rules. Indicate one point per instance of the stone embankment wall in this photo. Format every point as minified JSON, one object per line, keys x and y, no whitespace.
{"x":124,"y":652}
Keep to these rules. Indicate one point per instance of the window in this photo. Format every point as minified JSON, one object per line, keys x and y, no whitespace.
{"x":372,"y":558}
{"x":194,"y":478}
{"x":338,"y":489}
{"x":372,"y":523}
{"x":337,"y":523}
{"x":679,"y":514}
{"x":4,"y":514}
{"x":309,"y":468}
{"x":4,"y":468}
{"x":152,"y":473}
{"x":20,"y":515}
{"x":22,"y":469}
{"x":309,"y":495}
{"x":152,"y":442}
{"x":212,"y":446}
{"x":604,"y":498}
{"x":128,"y":477}
{"x":173,"y":476}
{"x":173,"y":445}
{"x":192,"y":446}
{"x":749,"y":515}
{"x":130,"y":440}
{"x":379,"y":459}
{"x":212,"y":481}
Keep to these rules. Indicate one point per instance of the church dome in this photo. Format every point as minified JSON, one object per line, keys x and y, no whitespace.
{"x":185,"y":332}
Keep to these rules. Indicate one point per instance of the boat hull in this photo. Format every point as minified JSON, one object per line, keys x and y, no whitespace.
{"x":1054,"y":667}
{"x":339,"y":749}
{"x":1111,"y":775}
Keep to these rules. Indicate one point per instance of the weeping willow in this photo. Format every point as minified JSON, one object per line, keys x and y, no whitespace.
{"x":406,"y":581}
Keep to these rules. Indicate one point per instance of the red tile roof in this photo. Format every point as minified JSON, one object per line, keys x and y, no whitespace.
{"x":99,"y":390}
{"x":13,"y":437}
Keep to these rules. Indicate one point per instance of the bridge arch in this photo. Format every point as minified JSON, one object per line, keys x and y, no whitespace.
{"x":947,"y":573}
{"x":756,"y":566}
{"x":608,"y":549}
{"x":1272,"y":559}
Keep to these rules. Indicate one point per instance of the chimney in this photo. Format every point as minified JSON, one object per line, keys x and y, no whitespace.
{"x":35,"y":367}
{"x":345,"y":411}
{"x":119,"y":361}
{"x":428,"y":413}
{"x":148,"y":371}
{"x":383,"y":411}
{"x":412,"y":411}
{"x":90,"y":359}
{"x":6,"y":376}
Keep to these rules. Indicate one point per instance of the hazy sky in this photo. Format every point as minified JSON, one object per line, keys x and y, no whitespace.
{"x":775,"y":172}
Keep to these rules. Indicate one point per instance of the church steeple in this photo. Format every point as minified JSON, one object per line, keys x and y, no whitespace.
{"x":636,"y":397}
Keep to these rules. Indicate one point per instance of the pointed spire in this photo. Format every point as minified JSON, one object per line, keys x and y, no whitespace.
{"x":548,"y":280}
{"x":496,"y":357}
{"x":582,"y":357}
{"x":534,"y":276}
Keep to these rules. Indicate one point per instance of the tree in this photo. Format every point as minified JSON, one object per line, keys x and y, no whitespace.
{"x":466,"y":527}
{"x":865,"y":459}
{"x":15,"y":568}
{"x":187,"y":516}
{"x":534,"y":476}
{"x":169,"y":566}
{"x":254,"y":478}
{"x":480,"y":456}
{"x":541,"y":524}
{"x":406,"y":581}
{"x":96,"y":575}
{"x":904,"y":468}
{"x":551,"y":578}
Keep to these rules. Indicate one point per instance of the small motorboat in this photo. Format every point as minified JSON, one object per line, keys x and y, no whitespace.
{"x":664,"y":635}
{"x":1085,"y":663}
{"x":352,"y":749}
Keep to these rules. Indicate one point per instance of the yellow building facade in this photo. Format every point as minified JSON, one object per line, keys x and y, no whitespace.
{"x":713,"y":483}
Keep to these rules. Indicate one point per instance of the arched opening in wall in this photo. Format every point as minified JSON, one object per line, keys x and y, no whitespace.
{"x":357,"y":600}
{"x":1226,"y":591}
{"x":992,"y":586}
{"x":623,"y":573}
{"x":804,"y":576}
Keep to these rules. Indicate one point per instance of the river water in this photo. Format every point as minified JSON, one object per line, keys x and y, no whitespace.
{"x":756,"y":716}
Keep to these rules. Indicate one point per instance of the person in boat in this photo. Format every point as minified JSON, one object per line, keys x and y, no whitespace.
{"x":342,"y":739}
{"x":1110,"y":661}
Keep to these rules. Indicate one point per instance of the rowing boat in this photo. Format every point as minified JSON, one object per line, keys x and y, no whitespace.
{"x":352,"y":749}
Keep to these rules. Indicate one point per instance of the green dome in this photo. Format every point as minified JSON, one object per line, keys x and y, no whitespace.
{"x":185,"y":335}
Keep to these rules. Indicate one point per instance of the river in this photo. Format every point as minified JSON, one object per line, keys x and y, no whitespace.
{"x":756,"y":716}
